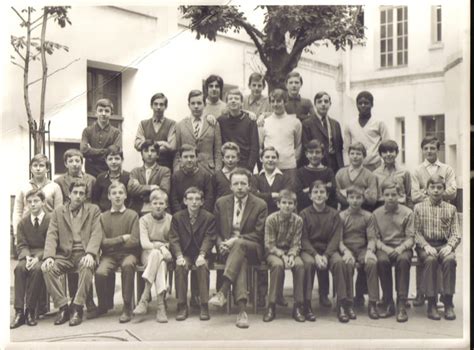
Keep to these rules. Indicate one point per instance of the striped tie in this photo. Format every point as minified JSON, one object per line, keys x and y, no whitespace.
{"x":197,"y":122}
{"x":239,"y":208}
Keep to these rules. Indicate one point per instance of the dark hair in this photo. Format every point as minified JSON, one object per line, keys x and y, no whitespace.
{"x":388,"y":146}
{"x":35,"y":192}
{"x":355,"y":189}
{"x":234,"y":92}
{"x":147,"y":144}
{"x":230,"y":146}
{"x":71,"y":153}
{"x":194,"y":93}
{"x":210,"y":79}
{"x":278,"y":94}
{"x":288,"y":194}
{"x":187,"y":148}
{"x":294,"y":75}
{"x":389,"y":184}
{"x":358,"y":146}
{"x":159,"y":95}
{"x":256,"y":77}
{"x":430,"y":139}
{"x":77,"y":183}
{"x":367,"y":95}
{"x":193,"y":189}
{"x":113,"y":150}
{"x":315,"y":144}
{"x":104,"y":102}
{"x":241,"y":171}
{"x":40,"y":158}
{"x":320,"y":95}
{"x":436,"y":179}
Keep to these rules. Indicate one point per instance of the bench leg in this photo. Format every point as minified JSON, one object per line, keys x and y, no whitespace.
{"x":229,"y":301}
{"x":254,"y":274}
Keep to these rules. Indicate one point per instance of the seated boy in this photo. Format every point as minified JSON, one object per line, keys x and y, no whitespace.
{"x":395,"y":239}
{"x":358,"y":246}
{"x":283,"y":231}
{"x":120,"y":246}
{"x":154,"y":239}
{"x":149,"y":177}
{"x":192,"y":237}
{"x":322,"y":232}
{"x":389,"y":169}
{"x":29,"y":283}
{"x":357,"y":174}
{"x":221,"y":179}
{"x":315,"y":170}
{"x":437,"y":236}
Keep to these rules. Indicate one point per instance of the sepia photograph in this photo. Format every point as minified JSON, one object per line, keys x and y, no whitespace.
{"x":234,"y":174}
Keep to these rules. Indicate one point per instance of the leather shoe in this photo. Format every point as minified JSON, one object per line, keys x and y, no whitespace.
{"x":62,"y":316}
{"x":298,"y":314}
{"x":401,"y":311}
{"x":270,"y":314}
{"x":242,"y":320}
{"x":419,"y":300}
{"x":341,"y":314}
{"x":30,"y":316}
{"x":449,"y":312}
{"x":18,"y":320}
{"x":324,"y":301}
{"x":350,"y":312}
{"x":388,"y":311}
{"x":204,"y":313}
{"x":126,"y":315}
{"x":182,"y":312}
{"x":308,"y":312}
{"x":76,"y":315}
{"x":372,"y":310}
{"x":433,"y":313}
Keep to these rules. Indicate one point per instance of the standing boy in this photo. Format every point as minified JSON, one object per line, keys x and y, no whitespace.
{"x":29,"y":283}
{"x":302,"y":107}
{"x":213,"y":90}
{"x":192,"y":236}
{"x":395,"y":239}
{"x":98,"y":137}
{"x":221,"y":179}
{"x":256,"y":102}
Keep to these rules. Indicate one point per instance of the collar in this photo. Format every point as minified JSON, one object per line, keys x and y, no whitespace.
{"x":282,"y":218}
{"x":99,"y":127}
{"x":253,"y":100}
{"x":157,"y":120}
{"x":385,"y":167}
{"x":40,"y":217}
{"x":194,"y":171}
{"x":151,"y":167}
{"x":352,"y":169}
{"x":310,"y":167}
{"x":397,"y":209}
{"x":79,"y":212}
{"x":240,"y":116}
{"x":226,"y":170}
{"x":320,"y":116}
{"x":433,"y":204}
{"x":295,"y":98}
{"x":80,"y":176}
{"x":244,"y":200}
{"x":193,"y":118}
{"x":107,"y":175}
{"x":325,"y":210}
{"x":195,"y":215}
{"x":32,"y":182}
{"x":121,"y":210}
{"x":354,"y":211}
{"x":275,"y":172}
{"x":209,"y":102}
{"x":426,"y":164}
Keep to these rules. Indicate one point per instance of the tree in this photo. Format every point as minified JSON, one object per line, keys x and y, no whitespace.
{"x":29,"y":48}
{"x":287,"y":31}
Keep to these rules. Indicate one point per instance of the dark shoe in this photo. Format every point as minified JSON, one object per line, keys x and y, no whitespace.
{"x":401,"y":312}
{"x":76,"y":315}
{"x":419,"y":300}
{"x":62,"y":316}
{"x":308,"y":312}
{"x":341,"y":314}
{"x":126,"y":315}
{"x":324,"y":301}
{"x":97,"y":313}
{"x":388,"y":310}
{"x":298,"y":314}
{"x":270,"y":314}
{"x":359,"y":301}
{"x":194,"y":302}
{"x":433,"y":313}
{"x":18,"y":320}
{"x":281,"y":301}
{"x":372,"y":310}
{"x":449,"y":312}
{"x":350,"y":312}
{"x":30,"y":316}
{"x":182,"y":313}
{"x":204,"y":313}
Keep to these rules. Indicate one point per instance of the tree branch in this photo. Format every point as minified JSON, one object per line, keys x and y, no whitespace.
{"x":18,"y":52}
{"x":256,"y":36}
{"x":44,"y":65}
{"x":18,"y":14}
{"x":16,"y":64}
{"x":54,"y":72}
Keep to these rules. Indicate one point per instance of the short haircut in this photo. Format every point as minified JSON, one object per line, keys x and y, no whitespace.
{"x":212,"y":78}
{"x":315,"y":144}
{"x":430,"y":139}
{"x":269,"y":149}
{"x":355,"y":189}
{"x":104,"y":102}
{"x":188,"y":148}
{"x":319,"y":184}
{"x":389,"y":184}
{"x":193,"y":189}
{"x":35,"y":192}
{"x":365,"y":94}
{"x":158,"y":194}
{"x":319,"y":95}
{"x":388,"y":146}
{"x":257,"y":77}
{"x":294,"y":74}
{"x":149,"y":143}
{"x":230,"y":146}
{"x":116,"y":184}
{"x":40,"y":158}
{"x":436,"y":179}
{"x":194,"y":93}
{"x":72,"y":152}
{"x":287,"y":194}
{"x":278,"y":94}
{"x":159,"y":95}
{"x":358,"y":146}
{"x":113,"y":150}
{"x":234,"y":92}
{"x":77,"y":183}
{"x":241,"y":171}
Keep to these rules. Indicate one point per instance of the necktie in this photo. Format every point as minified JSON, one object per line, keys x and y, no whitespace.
{"x":193,"y":220}
{"x":197,"y":123}
{"x":36,"y":222}
{"x":239,"y":207}
{"x":325,"y":123}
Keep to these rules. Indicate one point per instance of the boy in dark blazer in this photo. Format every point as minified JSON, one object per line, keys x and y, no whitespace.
{"x":192,"y":236}
{"x":31,"y":234}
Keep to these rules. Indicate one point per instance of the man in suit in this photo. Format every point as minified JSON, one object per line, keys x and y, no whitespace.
{"x":326,"y":130}
{"x":196,"y":131}
{"x":240,"y":219}
{"x":72,"y":243}
{"x":192,"y":237}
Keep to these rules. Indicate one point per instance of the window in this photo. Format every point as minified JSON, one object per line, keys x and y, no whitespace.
{"x":59,"y":149}
{"x":433,"y":125}
{"x":401,"y":135}
{"x":393,"y":36}
{"x":436,"y":24}
{"x":103,"y":83}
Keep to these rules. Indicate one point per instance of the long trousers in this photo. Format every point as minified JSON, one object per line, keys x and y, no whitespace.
{"x":29,"y":285}
{"x":202,"y":280}
{"x":402,"y":263}
{"x":277,"y":275}
{"x":430,"y":285}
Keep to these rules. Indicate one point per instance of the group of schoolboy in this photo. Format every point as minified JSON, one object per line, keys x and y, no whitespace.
{"x":195,"y":201}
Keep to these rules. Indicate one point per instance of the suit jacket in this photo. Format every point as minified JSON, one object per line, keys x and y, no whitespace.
{"x":208,"y":143}
{"x":59,"y":236}
{"x":30,"y":241}
{"x":139,"y":189}
{"x":313,"y":129}
{"x":252,"y":224}
{"x":182,"y":233}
